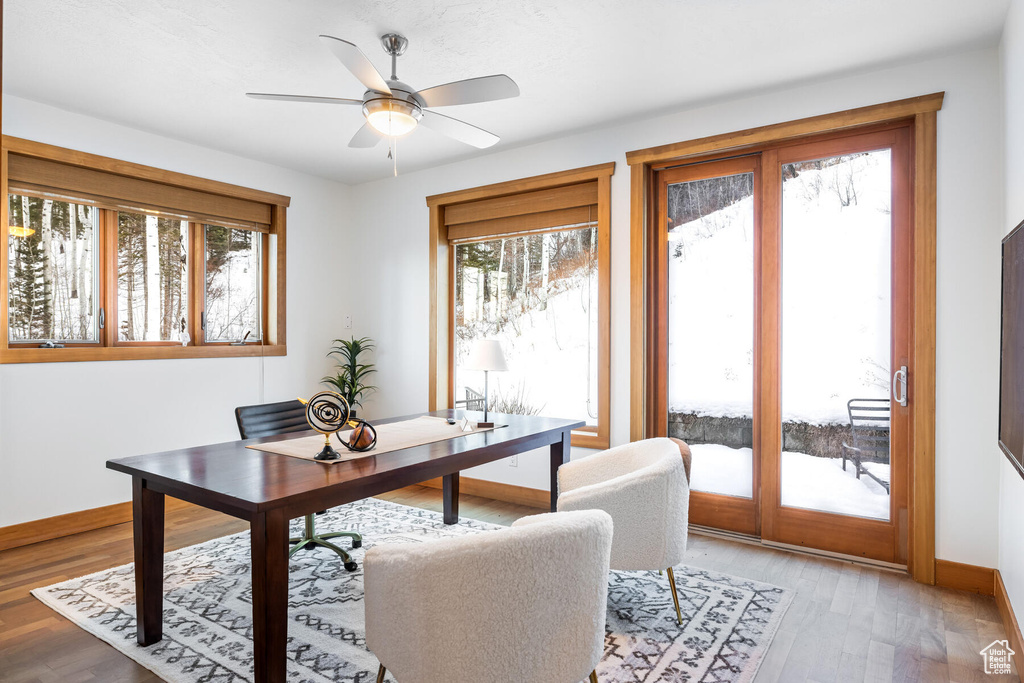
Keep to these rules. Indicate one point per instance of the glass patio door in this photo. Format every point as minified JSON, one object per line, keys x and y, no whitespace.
{"x":781,"y":325}
{"x":836,"y":449}
{"x":709,"y":256}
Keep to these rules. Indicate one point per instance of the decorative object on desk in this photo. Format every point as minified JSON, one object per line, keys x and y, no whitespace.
{"x":391,"y":436}
{"x":486,"y":355}
{"x":465,"y":425}
{"x":362,"y":438}
{"x":327,"y":412}
{"x":351,"y":376}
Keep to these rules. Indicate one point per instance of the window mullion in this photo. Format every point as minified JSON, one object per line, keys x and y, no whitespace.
{"x":196,"y":285}
{"x":108,"y":276}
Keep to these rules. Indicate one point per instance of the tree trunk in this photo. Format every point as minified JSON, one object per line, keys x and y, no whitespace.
{"x":152,"y":282}
{"x":48,"y":280}
{"x":526,"y":265}
{"x":182,"y":267}
{"x":84,"y":261}
{"x":501,"y":265}
{"x":545,"y":265}
{"x":26,"y":219}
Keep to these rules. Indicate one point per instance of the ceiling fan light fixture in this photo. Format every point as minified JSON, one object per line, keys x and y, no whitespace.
{"x":392,"y":117}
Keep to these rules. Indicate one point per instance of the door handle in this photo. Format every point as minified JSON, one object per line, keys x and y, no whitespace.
{"x":899,"y":379}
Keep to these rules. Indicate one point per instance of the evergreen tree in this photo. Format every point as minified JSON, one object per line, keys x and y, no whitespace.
{"x":30,"y":308}
{"x":30,"y":311}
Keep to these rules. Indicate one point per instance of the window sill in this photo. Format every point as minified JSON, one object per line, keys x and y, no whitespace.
{"x":80,"y":353}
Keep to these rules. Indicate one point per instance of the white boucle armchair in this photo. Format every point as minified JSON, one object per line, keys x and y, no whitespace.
{"x":644,"y":487}
{"x":520,"y":604}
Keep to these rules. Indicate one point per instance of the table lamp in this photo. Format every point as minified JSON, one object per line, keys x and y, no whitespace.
{"x":486,"y":355}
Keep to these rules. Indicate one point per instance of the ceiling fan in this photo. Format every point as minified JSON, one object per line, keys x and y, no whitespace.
{"x":392,"y":108}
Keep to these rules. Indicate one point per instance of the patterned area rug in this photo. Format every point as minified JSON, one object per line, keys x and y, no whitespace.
{"x":728,"y":622}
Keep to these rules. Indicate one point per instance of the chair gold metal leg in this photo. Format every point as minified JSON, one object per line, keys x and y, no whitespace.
{"x":593,"y":676}
{"x":380,"y":674}
{"x":675,"y":597}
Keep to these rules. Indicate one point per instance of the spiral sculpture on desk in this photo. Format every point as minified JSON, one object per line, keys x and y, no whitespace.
{"x":327,"y":412}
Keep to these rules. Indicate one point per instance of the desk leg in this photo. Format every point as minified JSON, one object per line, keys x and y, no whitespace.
{"x":559,"y":456}
{"x":451,"y":498}
{"x":148,"y":530}
{"x":270,"y":596}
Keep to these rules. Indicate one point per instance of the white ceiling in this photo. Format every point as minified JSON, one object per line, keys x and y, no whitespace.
{"x":180,"y":67}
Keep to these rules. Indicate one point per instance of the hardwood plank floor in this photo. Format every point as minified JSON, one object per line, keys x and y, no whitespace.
{"x":847,"y":622}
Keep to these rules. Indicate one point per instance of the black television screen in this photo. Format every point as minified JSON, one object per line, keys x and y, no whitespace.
{"x":1011,"y":367}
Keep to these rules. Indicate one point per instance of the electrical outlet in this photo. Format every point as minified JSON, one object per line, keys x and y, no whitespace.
{"x":513,"y":461}
{"x":348,"y":322}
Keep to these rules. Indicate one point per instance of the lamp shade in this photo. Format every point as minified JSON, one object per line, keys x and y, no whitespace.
{"x":486,"y":354}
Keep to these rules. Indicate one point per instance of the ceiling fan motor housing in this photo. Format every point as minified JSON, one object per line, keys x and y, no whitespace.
{"x":400,"y":105}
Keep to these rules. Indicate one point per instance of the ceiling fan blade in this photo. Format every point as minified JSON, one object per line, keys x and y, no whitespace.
{"x":356,"y":62}
{"x":459,"y":130}
{"x":300,"y":98}
{"x":469,"y":91}
{"x":365,"y":137}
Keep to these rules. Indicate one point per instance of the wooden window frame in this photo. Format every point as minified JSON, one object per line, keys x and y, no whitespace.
{"x":922,"y":113}
{"x":108,"y":346}
{"x":442,"y":292}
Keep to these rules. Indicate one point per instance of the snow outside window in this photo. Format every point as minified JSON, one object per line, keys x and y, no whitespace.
{"x":538,"y":295}
{"x":233,"y":284}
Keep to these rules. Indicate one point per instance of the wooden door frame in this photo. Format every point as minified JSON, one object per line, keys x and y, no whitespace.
{"x":921,"y":113}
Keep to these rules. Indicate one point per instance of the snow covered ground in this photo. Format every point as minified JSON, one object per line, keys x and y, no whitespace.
{"x":550,"y":350}
{"x":807,"y":481}
{"x":835,"y":298}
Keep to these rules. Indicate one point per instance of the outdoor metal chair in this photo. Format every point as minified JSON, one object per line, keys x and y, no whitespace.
{"x":869,"y":427}
{"x":474,"y":400}
{"x":268,"y":419}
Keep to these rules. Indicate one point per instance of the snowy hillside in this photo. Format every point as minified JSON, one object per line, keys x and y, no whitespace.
{"x":836,"y":298}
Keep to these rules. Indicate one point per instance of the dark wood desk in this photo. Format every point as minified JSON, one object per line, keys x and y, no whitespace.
{"x":268,"y":490}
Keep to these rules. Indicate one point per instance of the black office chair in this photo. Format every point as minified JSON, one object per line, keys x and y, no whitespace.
{"x":268,"y":419}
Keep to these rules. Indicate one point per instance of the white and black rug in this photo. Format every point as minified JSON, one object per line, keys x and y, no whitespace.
{"x":728,"y":622}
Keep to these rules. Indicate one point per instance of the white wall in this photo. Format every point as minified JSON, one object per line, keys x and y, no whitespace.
{"x":391,"y":236}
{"x":1011,"y":490}
{"x":60,"y":422}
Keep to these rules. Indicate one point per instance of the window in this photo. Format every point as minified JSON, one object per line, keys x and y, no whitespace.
{"x":152,"y":277}
{"x":527,"y":263}
{"x":51,"y":271}
{"x":232,"y":280}
{"x":111,"y":260}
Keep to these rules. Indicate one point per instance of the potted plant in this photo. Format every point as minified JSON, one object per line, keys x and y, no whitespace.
{"x":351,"y":376}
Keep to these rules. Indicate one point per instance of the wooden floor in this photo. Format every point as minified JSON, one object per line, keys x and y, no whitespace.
{"x":847,"y":623}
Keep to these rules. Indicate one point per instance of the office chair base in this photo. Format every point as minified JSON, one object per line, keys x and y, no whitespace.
{"x":310,"y":539}
{"x":310,"y":543}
